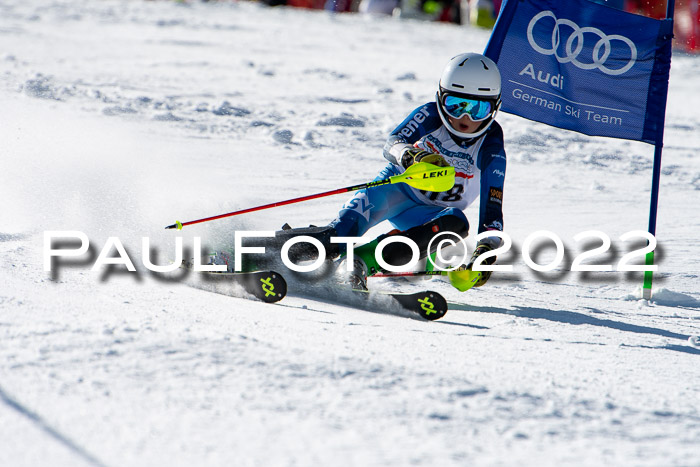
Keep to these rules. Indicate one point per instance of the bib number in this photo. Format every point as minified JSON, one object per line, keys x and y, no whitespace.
{"x":455,"y":194}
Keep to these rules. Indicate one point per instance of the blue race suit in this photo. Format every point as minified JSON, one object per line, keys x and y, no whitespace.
{"x":480,"y":165}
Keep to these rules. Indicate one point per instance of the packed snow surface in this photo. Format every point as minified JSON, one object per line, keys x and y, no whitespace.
{"x":120,"y":117}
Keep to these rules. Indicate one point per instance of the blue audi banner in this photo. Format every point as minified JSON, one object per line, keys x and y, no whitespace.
{"x":583,"y":66}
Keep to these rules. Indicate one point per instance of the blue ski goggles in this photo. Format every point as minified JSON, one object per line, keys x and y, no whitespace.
{"x":458,"y":107}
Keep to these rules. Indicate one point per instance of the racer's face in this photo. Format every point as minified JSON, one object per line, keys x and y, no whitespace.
{"x":464,"y":124}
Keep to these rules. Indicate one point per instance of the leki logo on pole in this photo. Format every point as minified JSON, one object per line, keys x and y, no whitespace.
{"x":427,"y":306}
{"x":577,"y":35}
{"x":267,"y":286}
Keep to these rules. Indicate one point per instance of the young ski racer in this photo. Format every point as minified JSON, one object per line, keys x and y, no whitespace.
{"x":458,"y":129}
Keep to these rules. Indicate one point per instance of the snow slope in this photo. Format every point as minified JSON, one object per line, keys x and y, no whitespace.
{"x":119,"y":117}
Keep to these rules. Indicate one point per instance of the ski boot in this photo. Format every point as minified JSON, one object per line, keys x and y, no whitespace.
{"x":357,"y":278}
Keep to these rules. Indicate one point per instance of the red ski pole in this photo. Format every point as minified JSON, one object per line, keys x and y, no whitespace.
{"x":422,"y":176}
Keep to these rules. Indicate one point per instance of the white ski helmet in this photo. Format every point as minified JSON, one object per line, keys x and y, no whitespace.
{"x":470,"y":85}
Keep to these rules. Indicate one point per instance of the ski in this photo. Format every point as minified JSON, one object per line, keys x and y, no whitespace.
{"x":265,"y":285}
{"x":427,"y":304}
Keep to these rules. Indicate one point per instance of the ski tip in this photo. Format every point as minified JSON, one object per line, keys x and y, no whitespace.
{"x":273,"y":287}
{"x":433,"y":306}
{"x":428,"y":304}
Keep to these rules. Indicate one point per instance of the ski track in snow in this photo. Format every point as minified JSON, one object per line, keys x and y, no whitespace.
{"x":121,"y":116}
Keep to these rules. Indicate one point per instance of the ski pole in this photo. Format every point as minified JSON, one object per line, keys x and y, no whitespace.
{"x":409,"y":274}
{"x":461,"y":279}
{"x":422,"y":175}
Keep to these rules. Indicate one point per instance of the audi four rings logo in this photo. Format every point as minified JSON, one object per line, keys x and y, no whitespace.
{"x":571,"y":53}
